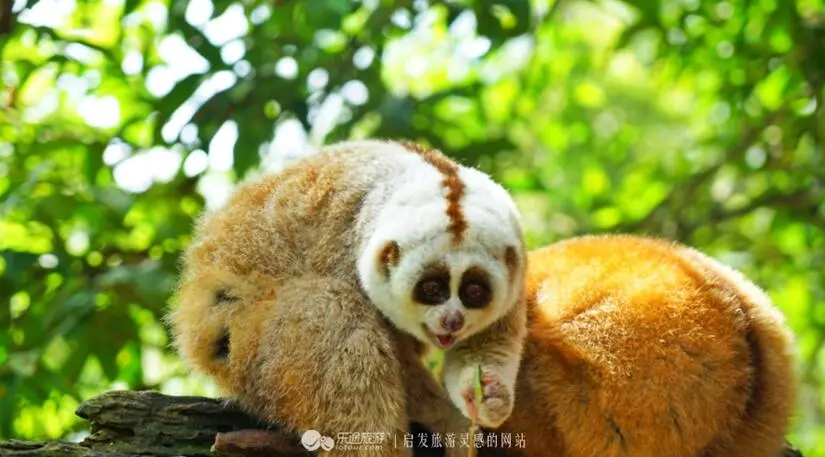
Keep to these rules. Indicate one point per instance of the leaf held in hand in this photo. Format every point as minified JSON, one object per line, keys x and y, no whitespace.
{"x":478,"y":398}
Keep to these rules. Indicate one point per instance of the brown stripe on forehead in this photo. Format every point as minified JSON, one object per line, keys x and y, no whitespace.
{"x":451,"y":182}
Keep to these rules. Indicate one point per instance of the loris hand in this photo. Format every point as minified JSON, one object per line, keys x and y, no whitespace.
{"x":497,"y":396}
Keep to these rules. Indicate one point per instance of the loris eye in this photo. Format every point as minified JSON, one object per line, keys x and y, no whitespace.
{"x":474,"y":291}
{"x":430,"y":288}
{"x":432,"y":291}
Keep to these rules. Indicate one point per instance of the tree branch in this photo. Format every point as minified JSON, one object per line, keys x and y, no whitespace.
{"x":6,"y":17}
{"x":126,"y":423}
{"x":688,"y":189}
{"x":141,"y":423}
{"x":799,"y":200}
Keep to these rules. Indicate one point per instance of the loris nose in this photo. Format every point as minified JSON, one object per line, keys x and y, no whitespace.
{"x":452,"y":321}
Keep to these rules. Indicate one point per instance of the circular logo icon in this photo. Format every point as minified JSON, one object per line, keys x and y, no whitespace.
{"x":311,"y":440}
{"x":327,"y":443}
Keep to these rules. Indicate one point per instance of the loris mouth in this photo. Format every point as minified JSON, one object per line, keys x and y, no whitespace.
{"x":443,"y":341}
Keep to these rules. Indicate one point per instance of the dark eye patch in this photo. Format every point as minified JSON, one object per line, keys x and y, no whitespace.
{"x":222,"y":297}
{"x":220,"y":349}
{"x":475,"y":290}
{"x":434,"y":286}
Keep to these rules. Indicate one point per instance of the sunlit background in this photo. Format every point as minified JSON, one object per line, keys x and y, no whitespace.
{"x":120,"y":121}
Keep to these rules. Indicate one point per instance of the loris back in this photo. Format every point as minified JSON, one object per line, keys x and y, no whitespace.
{"x":638,"y":347}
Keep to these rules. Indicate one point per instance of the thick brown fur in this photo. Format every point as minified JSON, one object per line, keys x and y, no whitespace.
{"x":644,"y":348}
{"x":271,"y":308}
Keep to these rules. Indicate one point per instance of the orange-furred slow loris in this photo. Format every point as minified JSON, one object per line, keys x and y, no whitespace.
{"x":639,"y":347}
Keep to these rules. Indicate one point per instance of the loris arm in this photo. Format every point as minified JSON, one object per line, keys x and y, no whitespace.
{"x":427,"y":403}
{"x":497,"y":350}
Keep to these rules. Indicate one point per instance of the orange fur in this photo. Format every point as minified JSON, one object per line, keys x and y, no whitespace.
{"x":643,"y":348}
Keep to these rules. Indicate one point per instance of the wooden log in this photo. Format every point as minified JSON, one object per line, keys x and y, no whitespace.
{"x":127,"y":423}
{"x":141,"y":423}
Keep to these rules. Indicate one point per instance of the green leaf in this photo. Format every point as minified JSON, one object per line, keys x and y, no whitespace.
{"x":130,"y":5}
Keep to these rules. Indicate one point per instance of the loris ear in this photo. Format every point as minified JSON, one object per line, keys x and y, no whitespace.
{"x":511,"y":260}
{"x":388,"y":256}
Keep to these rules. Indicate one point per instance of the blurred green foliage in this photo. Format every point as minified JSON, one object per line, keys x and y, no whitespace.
{"x":120,"y":120}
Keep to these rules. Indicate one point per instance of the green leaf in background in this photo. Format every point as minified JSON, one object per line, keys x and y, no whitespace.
{"x":697,"y":121}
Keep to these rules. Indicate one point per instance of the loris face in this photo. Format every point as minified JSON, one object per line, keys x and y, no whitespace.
{"x":439,"y":285}
{"x":441,"y":294}
{"x":450,"y":294}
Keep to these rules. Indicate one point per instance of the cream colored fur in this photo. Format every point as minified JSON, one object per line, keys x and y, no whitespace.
{"x":320,"y":327}
{"x":408,"y":208}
